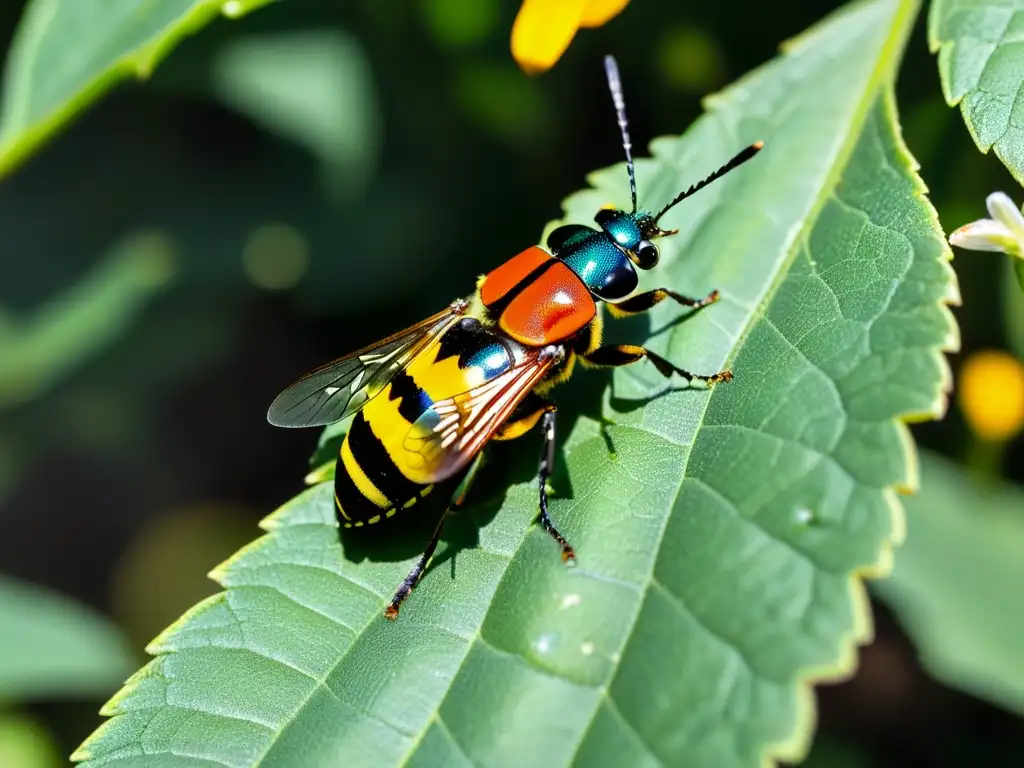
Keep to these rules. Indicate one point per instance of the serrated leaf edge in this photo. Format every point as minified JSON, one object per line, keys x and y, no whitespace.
{"x":944,"y":50}
{"x":796,"y":744}
{"x":795,"y":747}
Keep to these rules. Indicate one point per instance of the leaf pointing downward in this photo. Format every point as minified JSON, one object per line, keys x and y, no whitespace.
{"x":718,"y":543}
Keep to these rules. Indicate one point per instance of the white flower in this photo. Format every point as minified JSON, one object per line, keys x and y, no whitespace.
{"x":1003,"y":232}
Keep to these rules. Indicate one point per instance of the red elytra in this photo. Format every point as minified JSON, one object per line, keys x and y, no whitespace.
{"x":538,"y":300}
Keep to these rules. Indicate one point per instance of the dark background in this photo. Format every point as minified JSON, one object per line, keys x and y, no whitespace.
{"x":131,"y":475}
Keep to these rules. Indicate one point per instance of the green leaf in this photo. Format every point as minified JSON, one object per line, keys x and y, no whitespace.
{"x":959,"y":580}
{"x":1013,"y":304}
{"x":51,"y":646}
{"x":720,"y":534}
{"x":66,"y":55}
{"x":35,"y":352}
{"x":24,"y":743}
{"x":981,"y":64}
{"x":460,"y":23}
{"x":313,"y":87}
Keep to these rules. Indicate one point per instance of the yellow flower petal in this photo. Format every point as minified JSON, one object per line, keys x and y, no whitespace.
{"x":599,"y":12}
{"x":543,"y":30}
{"x":991,"y":394}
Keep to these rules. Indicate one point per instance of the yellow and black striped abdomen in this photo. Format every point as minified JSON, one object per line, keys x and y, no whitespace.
{"x":368,"y":486}
{"x":376,"y":475}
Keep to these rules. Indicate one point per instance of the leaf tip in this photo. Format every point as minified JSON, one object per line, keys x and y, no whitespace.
{"x":82,"y":753}
{"x":163,"y":643}
{"x":320,"y":474}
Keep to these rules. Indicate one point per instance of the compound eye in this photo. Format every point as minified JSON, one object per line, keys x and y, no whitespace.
{"x":646,"y":254}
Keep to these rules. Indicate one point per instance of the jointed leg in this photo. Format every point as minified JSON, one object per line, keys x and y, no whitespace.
{"x":644,"y":301}
{"x":462,"y":491}
{"x":616,"y":355}
{"x":532,"y":409}
{"x":524,"y":417}
{"x":547,"y":463}
{"x":410,"y":582}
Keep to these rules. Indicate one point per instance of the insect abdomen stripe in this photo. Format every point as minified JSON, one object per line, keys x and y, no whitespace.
{"x":413,"y":401}
{"x":353,"y":504}
{"x":370,"y":453}
{"x":501,"y":304}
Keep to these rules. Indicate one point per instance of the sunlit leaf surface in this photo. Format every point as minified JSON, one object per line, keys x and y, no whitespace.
{"x":981,"y":62}
{"x":66,"y":54}
{"x":719,"y":534}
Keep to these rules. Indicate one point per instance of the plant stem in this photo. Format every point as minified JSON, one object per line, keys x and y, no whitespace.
{"x":984,"y":458}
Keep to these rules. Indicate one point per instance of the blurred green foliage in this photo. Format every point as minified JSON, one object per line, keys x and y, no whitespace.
{"x":25,"y":743}
{"x":690,"y":59}
{"x":831,"y":753}
{"x":322,"y":173}
{"x":38,"y":351}
{"x":111,"y":40}
{"x":163,"y":571}
{"x":958,"y":584}
{"x":1013,"y":308}
{"x":461,"y":23}
{"x":50,"y":645}
{"x":313,"y":88}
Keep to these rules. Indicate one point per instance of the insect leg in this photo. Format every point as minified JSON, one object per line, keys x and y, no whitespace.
{"x":616,"y":355}
{"x":644,"y":301}
{"x":457,"y":501}
{"x":407,"y":586}
{"x":547,"y":462}
{"x":524,"y":417}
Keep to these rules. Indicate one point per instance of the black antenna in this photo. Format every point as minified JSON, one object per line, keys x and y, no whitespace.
{"x":741,"y":158}
{"x":615,"y":86}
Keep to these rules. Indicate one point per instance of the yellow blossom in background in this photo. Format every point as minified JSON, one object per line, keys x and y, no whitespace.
{"x":543,"y":29}
{"x":991,"y":394}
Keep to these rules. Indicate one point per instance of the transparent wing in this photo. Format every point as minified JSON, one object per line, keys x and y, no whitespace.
{"x":340,"y":388}
{"x":451,"y":432}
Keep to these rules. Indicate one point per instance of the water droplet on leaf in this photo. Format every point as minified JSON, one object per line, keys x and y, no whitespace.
{"x":804,"y":516}
{"x":543,"y":644}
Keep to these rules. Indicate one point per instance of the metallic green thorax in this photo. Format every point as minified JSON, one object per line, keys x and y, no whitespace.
{"x":604,"y":258}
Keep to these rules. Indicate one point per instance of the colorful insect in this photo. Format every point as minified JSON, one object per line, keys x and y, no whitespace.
{"x":427,"y":399}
